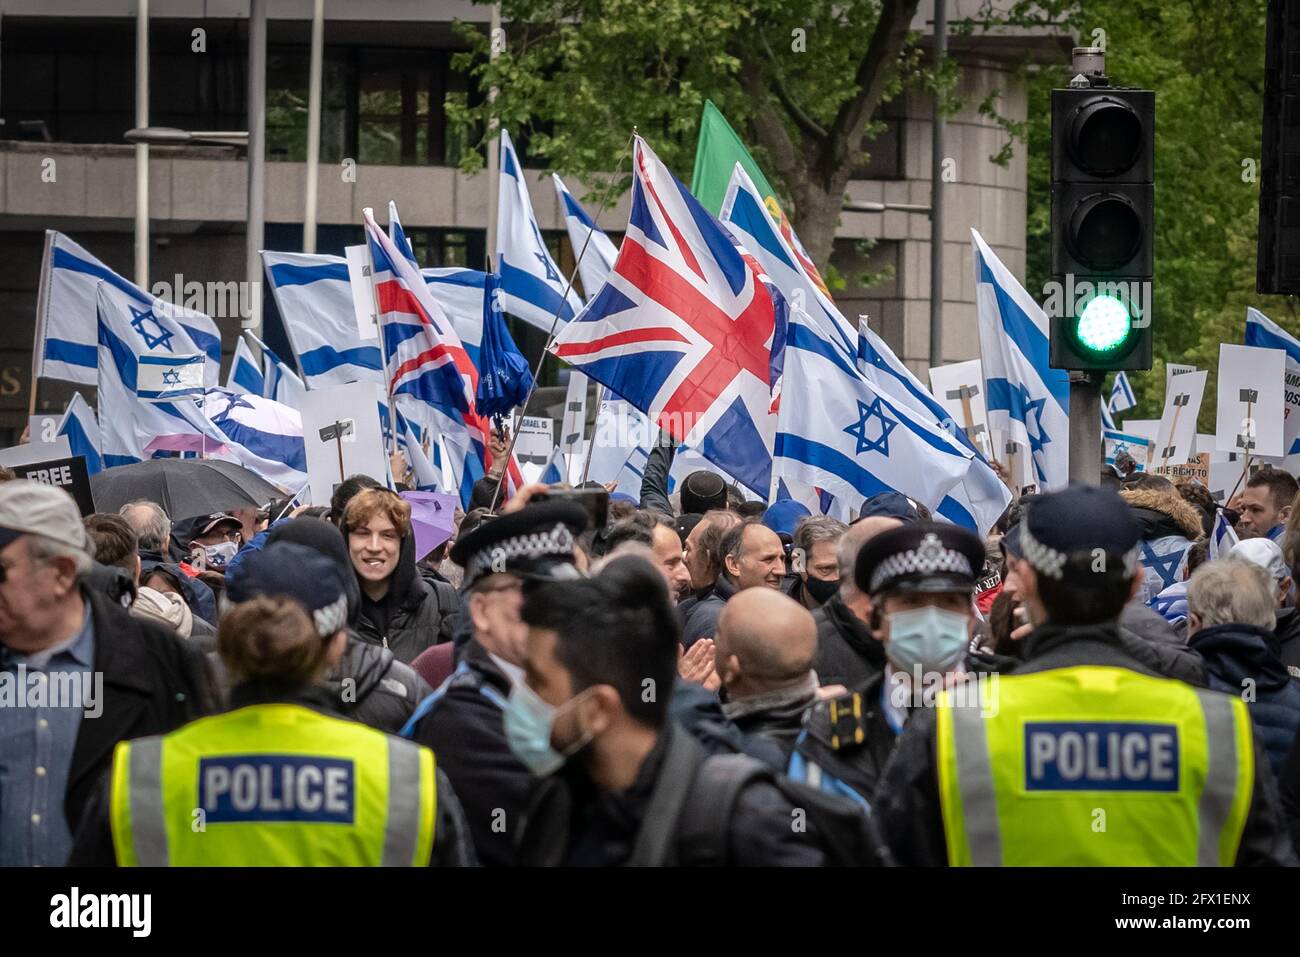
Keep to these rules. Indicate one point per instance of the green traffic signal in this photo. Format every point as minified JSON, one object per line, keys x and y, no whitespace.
{"x":1104,"y":325}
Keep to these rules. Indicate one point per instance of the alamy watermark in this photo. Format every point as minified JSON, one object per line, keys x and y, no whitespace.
{"x":220,"y":300}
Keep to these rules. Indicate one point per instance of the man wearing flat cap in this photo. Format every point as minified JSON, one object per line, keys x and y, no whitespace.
{"x":462,"y":722}
{"x":1083,"y":756}
{"x":85,"y":674}
{"x":920,"y":580}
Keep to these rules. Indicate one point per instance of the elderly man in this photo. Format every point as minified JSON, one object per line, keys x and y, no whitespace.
{"x":752,"y":557}
{"x":152,"y":527}
{"x":1230,"y":619}
{"x":847,"y":655}
{"x":1267,"y":555}
{"x":764,"y":652}
{"x":76,"y":656}
{"x":814,"y":564}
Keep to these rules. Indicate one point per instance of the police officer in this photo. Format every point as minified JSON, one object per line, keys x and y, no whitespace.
{"x":1083,"y":756}
{"x":920,"y":580}
{"x":278,"y":780}
{"x":462,"y":721}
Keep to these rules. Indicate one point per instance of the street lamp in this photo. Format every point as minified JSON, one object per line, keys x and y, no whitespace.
{"x":170,"y":136}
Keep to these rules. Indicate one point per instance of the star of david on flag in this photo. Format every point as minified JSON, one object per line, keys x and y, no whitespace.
{"x":859,"y":428}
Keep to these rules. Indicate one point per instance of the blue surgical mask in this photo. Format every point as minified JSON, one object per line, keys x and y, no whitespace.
{"x":930,"y":638}
{"x":528,"y":723}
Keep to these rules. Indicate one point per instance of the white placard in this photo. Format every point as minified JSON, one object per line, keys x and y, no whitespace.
{"x":43,"y":428}
{"x":1177,"y":431}
{"x":36,"y":452}
{"x":534,"y":445}
{"x":577,"y":462}
{"x":1251,"y":402}
{"x":363,"y":294}
{"x":356,"y":407}
{"x":960,"y":390}
{"x":1175,"y":368}
{"x":574,"y":424}
{"x":1015,"y":458}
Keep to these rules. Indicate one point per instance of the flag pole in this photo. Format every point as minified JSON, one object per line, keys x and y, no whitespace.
{"x":555,"y":320}
{"x":383,"y":351}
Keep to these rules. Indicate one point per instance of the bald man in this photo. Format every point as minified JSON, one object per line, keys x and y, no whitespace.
{"x":763,"y":652}
{"x":847,"y":654}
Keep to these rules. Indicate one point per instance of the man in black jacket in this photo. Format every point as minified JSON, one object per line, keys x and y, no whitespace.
{"x":1080,"y":567}
{"x":847,"y":655}
{"x":463,"y":722}
{"x":59,"y":641}
{"x":592,"y":718}
{"x":763,"y":653}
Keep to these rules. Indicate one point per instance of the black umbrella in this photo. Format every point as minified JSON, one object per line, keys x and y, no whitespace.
{"x":183,"y":487}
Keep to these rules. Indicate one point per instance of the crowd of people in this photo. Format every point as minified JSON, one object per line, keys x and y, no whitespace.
{"x":580,"y":678}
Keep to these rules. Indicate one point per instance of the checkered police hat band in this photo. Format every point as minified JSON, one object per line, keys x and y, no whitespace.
{"x":558,"y":542}
{"x":1048,"y":561}
{"x":926,"y":559}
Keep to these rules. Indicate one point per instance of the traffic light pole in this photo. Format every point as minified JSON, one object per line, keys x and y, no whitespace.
{"x":1085,"y":426}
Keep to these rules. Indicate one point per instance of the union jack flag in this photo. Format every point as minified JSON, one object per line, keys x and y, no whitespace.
{"x":686,"y":328}
{"x":429,"y":371}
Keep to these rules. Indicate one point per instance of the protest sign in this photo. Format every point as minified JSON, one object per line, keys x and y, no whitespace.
{"x":1251,"y":402}
{"x":363,"y":295}
{"x":68,"y":474}
{"x":340,"y":428}
{"x":960,"y":390}
{"x":1177,"y":430}
{"x":36,"y":452}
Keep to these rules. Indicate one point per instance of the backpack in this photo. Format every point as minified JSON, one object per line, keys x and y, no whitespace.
{"x":844,"y":829}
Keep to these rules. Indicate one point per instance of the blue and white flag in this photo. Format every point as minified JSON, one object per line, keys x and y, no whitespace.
{"x":1026,"y":398}
{"x":622,"y":434}
{"x":1163,"y":561}
{"x":315,"y":302}
{"x":1171,"y":603}
{"x":596,"y":263}
{"x":279,"y":382}
{"x":1114,"y":442}
{"x":244,"y":375}
{"x":532,"y":287}
{"x":1121,"y":394}
{"x":1107,"y":421}
{"x":460,"y":293}
{"x":78,"y":425}
{"x":132,"y":430}
{"x":167,"y":378}
{"x":1263,"y":332}
{"x":981,"y":493}
{"x":412,"y":440}
{"x":837,"y":433}
{"x":67,"y":306}
{"x":1223,"y":537}
{"x":553,"y":473}
{"x":261,"y":434}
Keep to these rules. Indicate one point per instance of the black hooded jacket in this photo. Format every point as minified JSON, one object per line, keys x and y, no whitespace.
{"x":846,"y":653}
{"x":412,"y":615}
{"x":370,"y":685}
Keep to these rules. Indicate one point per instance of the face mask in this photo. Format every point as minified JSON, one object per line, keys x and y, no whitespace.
{"x":219,"y":555}
{"x":822,"y":589}
{"x":929,"y":638}
{"x":528,"y":723}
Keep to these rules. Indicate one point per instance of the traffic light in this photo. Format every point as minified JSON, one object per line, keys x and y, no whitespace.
{"x":1278,"y":265}
{"x":1103,"y":221}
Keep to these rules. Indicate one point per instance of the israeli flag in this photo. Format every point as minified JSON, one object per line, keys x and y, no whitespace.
{"x":1223,"y":537}
{"x":165,"y":378}
{"x":1121,"y":394}
{"x":596,"y":263}
{"x":531,"y":285}
{"x":78,"y":425}
{"x":1115,"y":442}
{"x":553,"y":473}
{"x":132,"y":430}
{"x":261,"y":434}
{"x":1163,"y":561}
{"x":67,"y":305}
{"x":279,"y":382}
{"x":1026,"y":398}
{"x":244,"y":375}
{"x":836,"y":432}
{"x":1263,"y":332}
{"x":1107,"y":421}
{"x":1171,"y":603}
{"x":315,"y":302}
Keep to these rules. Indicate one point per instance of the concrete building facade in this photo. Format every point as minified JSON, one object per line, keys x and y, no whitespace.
{"x":66,"y":97}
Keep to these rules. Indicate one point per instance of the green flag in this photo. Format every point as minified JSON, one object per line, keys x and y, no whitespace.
{"x":718,"y":151}
{"x":716,"y":155}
